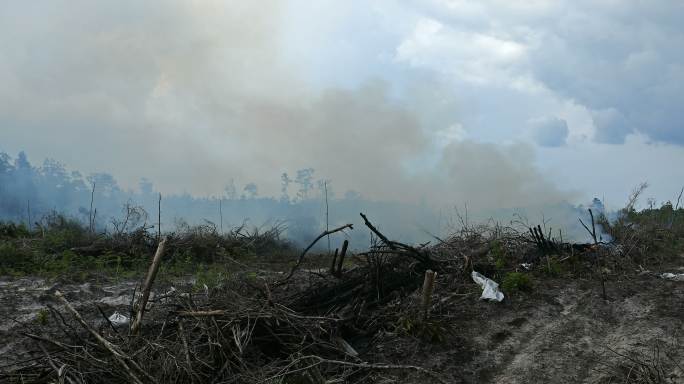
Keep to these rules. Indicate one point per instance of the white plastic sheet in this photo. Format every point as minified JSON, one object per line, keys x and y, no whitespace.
{"x":673,"y":276}
{"x":490,"y":289}
{"x":119,"y":320}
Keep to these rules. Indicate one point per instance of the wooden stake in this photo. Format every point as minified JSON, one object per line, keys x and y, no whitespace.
{"x":428,"y":288}
{"x":343,"y":253}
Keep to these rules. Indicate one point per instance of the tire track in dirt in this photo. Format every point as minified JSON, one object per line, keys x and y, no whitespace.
{"x":548,"y":343}
{"x":566,"y":340}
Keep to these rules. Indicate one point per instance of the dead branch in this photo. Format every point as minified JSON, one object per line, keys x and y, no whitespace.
{"x":377,"y":233}
{"x":301,"y":256}
{"x":397,"y":247}
{"x":151,"y":274}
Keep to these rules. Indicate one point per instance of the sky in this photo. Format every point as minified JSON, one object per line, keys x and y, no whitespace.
{"x":489,"y":103}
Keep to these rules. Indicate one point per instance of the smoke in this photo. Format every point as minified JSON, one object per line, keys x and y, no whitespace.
{"x":194,"y":94}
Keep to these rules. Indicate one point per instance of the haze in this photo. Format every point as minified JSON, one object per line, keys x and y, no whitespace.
{"x":494,"y":104}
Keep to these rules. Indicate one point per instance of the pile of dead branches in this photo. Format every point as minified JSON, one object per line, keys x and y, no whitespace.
{"x":247,"y":340}
{"x":249,"y":331}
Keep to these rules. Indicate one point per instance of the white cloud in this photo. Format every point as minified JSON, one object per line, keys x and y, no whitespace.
{"x":603,"y":56}
{"x":472,"y":57}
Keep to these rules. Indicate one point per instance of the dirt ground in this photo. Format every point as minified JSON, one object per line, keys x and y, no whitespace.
{"x":561,"y":332}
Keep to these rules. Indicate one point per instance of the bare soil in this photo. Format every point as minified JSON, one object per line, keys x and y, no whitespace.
{"x":563,"y":332}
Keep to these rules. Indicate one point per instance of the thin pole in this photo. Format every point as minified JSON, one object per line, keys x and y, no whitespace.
{"x":90,"y":215}
{"x":159,"y":219}
{"x":28,"y":209}
{"x":327,"y":221}
{"x":221,"y":212}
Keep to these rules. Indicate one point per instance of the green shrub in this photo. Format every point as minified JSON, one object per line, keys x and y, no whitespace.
{"x":516,"y":281}
{"x":59,"y":263}
{"x":553,"y":267}
{"x":64,"y":233}
{"x":13,"y":231}
{"x":15,"y":259}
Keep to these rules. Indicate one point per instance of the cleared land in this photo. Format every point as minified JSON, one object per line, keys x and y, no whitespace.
{"x":241,"y":319}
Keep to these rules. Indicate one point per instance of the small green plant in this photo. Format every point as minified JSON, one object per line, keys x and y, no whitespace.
{"x":431,"y":330}
{"x":516,"y":281}
{"x":499,"y":254}
{"x":211,"y":276}
{"x":553,"y":267}
{"x":500,"y":263}
{"x":42,"y":316}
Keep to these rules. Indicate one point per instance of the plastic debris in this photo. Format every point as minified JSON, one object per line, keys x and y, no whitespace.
{"x":527,"y":266}
{"x":673,"y":276}
{"x":490,"y":289}
{"x":119,"y":320}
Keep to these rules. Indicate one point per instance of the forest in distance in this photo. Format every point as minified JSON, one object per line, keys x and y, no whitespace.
{"x":306,"y":205}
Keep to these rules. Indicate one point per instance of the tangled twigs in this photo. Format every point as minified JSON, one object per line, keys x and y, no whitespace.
{"x":129,"y":366}
{"x":317,"y":360}
{"x":396,"y":246}
{"x":322,"y":235}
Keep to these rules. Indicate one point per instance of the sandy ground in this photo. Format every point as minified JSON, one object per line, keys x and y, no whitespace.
{"x":562,"y":332}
